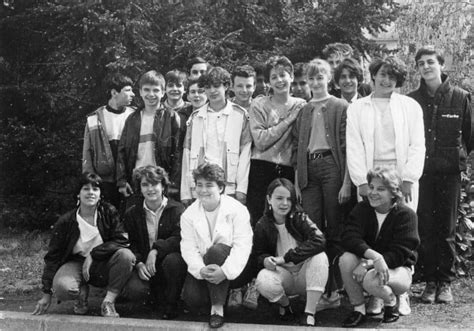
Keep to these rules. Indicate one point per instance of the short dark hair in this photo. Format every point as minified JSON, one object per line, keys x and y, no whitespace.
{"x":277,"y":182}
{"x":210,"y":172}
{"x":354,"y":68}
{"x":175,"y":76}
{"x":152,"y":174}
{"x":275,"y":62}
{"x":152,"y":77}
{"x":197,"y":60}
{"x":215,"y":76}
{"x":396,"y":68}
{"x":116,"y":82}
{"x":429,"y":50}
{"x":192,"y":82}
{"x":341,"y":49}
{"x":87,"y":178}
{"x":299,"y":69}
{"x":245,"y":70}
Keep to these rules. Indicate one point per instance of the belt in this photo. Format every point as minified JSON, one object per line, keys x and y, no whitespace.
{"x":318,"y":155}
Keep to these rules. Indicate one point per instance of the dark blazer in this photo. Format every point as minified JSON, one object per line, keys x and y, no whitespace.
{"x":335,"y":122}
{"x":169,"y":232}
{"x":398,"y":238}
{"x":310,"y":239}
{"x":166,"y":127}
{"x":66,"y":233}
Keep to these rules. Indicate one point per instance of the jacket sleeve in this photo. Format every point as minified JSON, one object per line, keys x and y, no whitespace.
{"x":241,"y":244}
{"x":353,"y":235}
{"x":295,"y":139}
{"x":114,"y":236}
{"x":355,"y":147}
{"x":130,"y":225}
{"x":313,"y":244}
{"x":170,"y":244}
{"x":57,"y":246}
{"x":189,"y":247}
{"x":405,"y":239}
{"x":243,"y":168}
{"x":260,"y":249}
{"x":175,"y":151}
{"x":121,"y":171}
{"x":468,"y":124}
{"x":264,"y":137}
{"x":87,"y":165}
{"x":416,"y":150}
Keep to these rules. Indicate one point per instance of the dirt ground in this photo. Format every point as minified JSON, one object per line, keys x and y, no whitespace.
{"x":21,"y":261}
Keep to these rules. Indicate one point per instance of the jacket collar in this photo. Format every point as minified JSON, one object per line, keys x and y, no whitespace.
{"x":442,"y":89}
{"x":203,"y":111}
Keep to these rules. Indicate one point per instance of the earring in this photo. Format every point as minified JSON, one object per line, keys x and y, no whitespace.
{"x":269,"y":207}
{"x":78,"y":201}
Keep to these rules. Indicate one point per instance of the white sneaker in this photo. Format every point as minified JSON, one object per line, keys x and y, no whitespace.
{"x":404,"y":304}
{"x":334,"y":301}
{"x":235,"y":298}
{"x":375,"y":305}
{"x":251,"y":297}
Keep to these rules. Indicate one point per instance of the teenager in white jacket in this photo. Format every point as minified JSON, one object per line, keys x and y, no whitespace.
{"x":216,"y":241}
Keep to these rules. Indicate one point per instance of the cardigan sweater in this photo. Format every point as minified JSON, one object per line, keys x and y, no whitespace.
{"x":397,"y":239}
{"x":168,"y":230}
{"x":334,"y":113}
{"x":310,"y":239}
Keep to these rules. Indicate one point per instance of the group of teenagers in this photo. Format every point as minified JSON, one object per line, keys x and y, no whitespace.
{"x":306,"y":181}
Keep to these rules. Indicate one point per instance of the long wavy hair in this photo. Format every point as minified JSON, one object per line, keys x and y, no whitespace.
{"x":295,"y":206}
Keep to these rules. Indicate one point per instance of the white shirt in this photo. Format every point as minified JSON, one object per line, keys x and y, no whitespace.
{"x":146,"y":146}
{"x":285,"y":242}
{"x":384,"y":135}
{"x":380,"y":219}
{"x":153,"y":220}
{"x":89,"y":236}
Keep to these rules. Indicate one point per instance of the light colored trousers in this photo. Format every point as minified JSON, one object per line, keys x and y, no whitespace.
{"x":399,"y":281}
{"x":313,"y":276}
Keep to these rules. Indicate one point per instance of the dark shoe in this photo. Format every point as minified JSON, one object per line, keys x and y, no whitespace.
{"x":308,"y":320}
{"x":390,"y":314}
{"x":429,"y":292}
{"x":286,"y":313}
{"x":355,"y":319}
{"x":216,"y":321}
{"x":171,"y":312}
{"x":444,"y":293}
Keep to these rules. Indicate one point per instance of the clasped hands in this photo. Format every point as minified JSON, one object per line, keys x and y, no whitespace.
{"x":213,"y":274}
{"x":271,"y":262}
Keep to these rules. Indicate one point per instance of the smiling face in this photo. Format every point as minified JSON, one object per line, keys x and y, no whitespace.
{"x":429,"y":68}
{"x":280,"y":201}
{"x":216,"y":95}
{"x":151,"y":95}
{"x":348,"y":83}
{"x":89,"y":195}
{"x":243,"y":88}
{"x":318,"y":83}
{"x":152,"y":193}
{"x":175,"y":91}
{"x":197,"y":96}
{"x":208,"y":193}
{"x":280,"y":80}
{"x":384,"y":83}
{"x":380,"y":197}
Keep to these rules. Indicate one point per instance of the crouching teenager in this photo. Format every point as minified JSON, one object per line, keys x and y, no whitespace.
{"x":290,"y":250}
{"x":154,"y":234}
{"x":216,"y":241}
{"x":88,"y":246}
{"x":380,"y":239}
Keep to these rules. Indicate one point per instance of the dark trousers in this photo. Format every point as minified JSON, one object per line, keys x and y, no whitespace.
{"x":167,"y":282}
{"x":262,"y":173}
{"x":437,"y":214}
{"x":199,"y":294}
{"x":111,"y":194}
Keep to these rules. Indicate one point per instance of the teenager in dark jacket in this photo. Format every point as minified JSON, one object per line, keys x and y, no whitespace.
{"x":154,"y":233}
{"x":289,"y":249}
{"x":380,"y":239}
{"x":88,"y":246}
{"x":447,"y":115}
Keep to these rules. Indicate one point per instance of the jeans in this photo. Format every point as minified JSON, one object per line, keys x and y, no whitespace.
{"x":437,"y":214}
{"x":167,"y":282}
{"x":313,"y":275}
{"x":199,"y":294}
{"x":112,"y":274}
